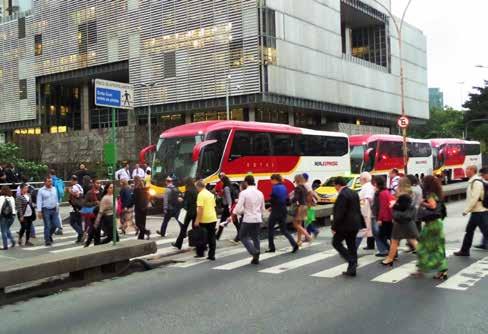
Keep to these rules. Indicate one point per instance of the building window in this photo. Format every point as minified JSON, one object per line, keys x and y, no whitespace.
{"x":23,"y":89}
{"x":271,"y":116}
{"x":21,"y":27}
{"x":102,"y":118}
{"x":170,"y":64}
{"x":38,"y":45}
{"x":364,"y":33}
{"x":236,"y":53}
{"x":268,"y":23}
{"x":87,"y":35}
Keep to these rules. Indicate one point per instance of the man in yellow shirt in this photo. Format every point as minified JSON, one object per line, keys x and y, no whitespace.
{"x":206,"y":219}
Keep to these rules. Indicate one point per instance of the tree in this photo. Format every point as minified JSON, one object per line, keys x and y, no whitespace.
{"x":10,"y":154}
{"x":443,"y":123}
{"x":477,"y":106}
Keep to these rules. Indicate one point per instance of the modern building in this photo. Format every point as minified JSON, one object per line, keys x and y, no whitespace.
{"x":436,"y":98}
{"x":328,"y":64}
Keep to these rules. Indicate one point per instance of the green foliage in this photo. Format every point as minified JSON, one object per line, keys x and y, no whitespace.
{"x":443,"y":123}
{"x":10,"y":154}
{"x":476,"y":116}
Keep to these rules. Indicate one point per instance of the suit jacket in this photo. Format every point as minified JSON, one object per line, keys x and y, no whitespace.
{"x":347,"y":212}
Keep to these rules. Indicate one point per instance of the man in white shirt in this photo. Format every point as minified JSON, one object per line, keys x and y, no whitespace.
{"x":366,"y":196}
{"x":123,"y":173}
{"x":138,"y":171}
{"x":394,"y":180}
{"x":251,"y":206}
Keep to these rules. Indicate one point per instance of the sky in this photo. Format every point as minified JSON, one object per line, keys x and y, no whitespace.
{"x":456,"y":42}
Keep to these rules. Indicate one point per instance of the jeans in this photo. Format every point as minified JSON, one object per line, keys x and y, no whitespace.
{"x":5,"y":224}
{"x":51,"y":221}
{"x":382,"y":233}
{"x":249,"y":235}
{"x":350,"y":254}
{"x":312,"y":229}
{"x":76,"y":223}
{"x":170,"y":214}
{"x":211,"y":240}
{"x":278,"y":216}
{"x":183,"y":228}
{"x":477,"y":219}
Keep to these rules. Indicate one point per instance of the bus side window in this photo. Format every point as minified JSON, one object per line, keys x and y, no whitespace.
{"x":241,"y":145}
{"x":261,"y":144}
{"x":283,"y":144}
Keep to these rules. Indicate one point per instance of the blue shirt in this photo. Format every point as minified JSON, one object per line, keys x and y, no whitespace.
{"x":47,"y":198}
{"x":279,"y":196}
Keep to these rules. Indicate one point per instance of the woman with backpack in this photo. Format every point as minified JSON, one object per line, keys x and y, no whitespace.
{"x":7,"y":215}
{"x":431,"y":249}
{"x":229,"y":196}
{"x":26,"y":213}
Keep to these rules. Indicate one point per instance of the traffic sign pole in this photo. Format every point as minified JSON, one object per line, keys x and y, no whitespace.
{"x":403,"y":123}
{"x":114,"y":217}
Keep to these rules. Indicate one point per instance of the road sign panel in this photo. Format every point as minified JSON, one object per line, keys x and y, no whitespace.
{"x":114,"y":94}
{"x":403,"y":122}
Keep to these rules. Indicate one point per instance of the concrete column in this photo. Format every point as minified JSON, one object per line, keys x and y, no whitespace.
{"x":291,"y":118}
{"x":348,"y":36}
{"x":187,"y":118}
{"x":252,"y":114}
{"x":85,"y":106}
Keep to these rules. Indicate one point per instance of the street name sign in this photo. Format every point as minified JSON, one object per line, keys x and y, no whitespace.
{"x":403,"y":122}
{"x":113,"y":94}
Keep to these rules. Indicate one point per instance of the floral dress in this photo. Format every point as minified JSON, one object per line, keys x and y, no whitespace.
{"x":431,"y":249}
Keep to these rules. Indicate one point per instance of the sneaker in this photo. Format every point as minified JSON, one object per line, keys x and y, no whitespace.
{"x":59,"y":232}
{"x":461,"y":253}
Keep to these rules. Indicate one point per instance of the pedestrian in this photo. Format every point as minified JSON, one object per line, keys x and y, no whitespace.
{"x":484,"y":176}
{"x":25,"y":213}
{"x":127,"y":206}
{"x":366,"y":196}
{"x":418,"y":197}
{"x":251,"y":205}
{"x":229,"y":198}
{"x":404,"y":215}
{"x":11,"y":174}
{"x":299,"y":209}
{"x":171,"y":205}
{"x":141,"y":202}
{"x":7,"y":216}
{"x":431,"y":249}
{"x":90,"y":211}
{"x":77,"y":201}
{"x":394,"y":176}
{"x":58,"y":184}
{"x":383,"y":226}
{"x":123,"y":173}
{"x":31,"y":192}
{"x":312,"y":199}
{"x":475,"y":194}
{"x":106,"y":214}
{"x":190,"y":206}
{"x":278,"y":214}
{"x":206,"y":219}
{"x":48,"y":209}
{"x":81,"y":173}
{"x":86,"y":183}
{"x":347,"y":222}
{"x":138,"y":171}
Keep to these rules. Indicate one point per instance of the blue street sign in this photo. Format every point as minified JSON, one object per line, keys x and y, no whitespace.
{"x":113,"y":94}
{"x":107,"y":97}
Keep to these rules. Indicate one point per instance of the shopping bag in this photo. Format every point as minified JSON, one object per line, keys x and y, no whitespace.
{"x":182,"y":216}
{"x":197,"y":237}
{"x":311,"y":216}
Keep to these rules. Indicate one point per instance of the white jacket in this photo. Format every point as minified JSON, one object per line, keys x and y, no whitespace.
{"x":12,"y":203}
{"x":474,"y":195}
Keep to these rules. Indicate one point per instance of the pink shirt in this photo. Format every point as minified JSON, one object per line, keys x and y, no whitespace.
{"x":251,"y":205}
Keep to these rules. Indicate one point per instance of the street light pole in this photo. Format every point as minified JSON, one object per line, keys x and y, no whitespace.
{"x":399,"y":28}
{"x":227,"y":92}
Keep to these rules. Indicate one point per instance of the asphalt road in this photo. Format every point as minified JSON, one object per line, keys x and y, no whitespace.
{"x":192,"y":297}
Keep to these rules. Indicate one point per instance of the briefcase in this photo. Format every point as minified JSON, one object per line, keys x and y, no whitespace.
{"x":197,"y":237}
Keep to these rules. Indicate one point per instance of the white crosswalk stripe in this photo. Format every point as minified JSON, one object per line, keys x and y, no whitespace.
{"x":190,"y":261}
{"x":467,"y":277}
{"x":338,"y":270}
{"x":299,"y":262}
{"x":72,"y":248}
{"x":265,"y":256}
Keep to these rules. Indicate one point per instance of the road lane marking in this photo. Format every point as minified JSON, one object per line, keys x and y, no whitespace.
{"x":299,"y":262}
{"x":338,"y":270}
{"x":73,"y":248}
{"x":192,"y":261}
{"x":265,"y":256}
{"x":467,"y":277}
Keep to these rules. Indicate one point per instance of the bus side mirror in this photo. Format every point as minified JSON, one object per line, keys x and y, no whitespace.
{"x":199,"y":147}
{"x":144,"y":152}
{"x":440,"y":155}
{"x":366,"y":156}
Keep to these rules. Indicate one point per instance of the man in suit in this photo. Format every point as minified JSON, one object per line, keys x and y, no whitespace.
{"x":346,"y":224}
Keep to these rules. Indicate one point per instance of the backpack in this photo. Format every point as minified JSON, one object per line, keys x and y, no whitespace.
{"x":484,"y":201}
{"x":59,"y":185}
{"x":7,"y":210}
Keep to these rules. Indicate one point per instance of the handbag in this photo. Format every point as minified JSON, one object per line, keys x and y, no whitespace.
{"x":197,"y":237}
{"x":427,"y":214}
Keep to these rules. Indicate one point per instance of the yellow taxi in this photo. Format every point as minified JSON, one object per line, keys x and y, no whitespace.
{"x":328,"y":194}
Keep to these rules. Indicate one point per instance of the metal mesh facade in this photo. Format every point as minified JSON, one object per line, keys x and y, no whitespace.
{"x":188,"y":47}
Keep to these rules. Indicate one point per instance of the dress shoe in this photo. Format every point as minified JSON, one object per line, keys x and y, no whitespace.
{"x":271,"y":251}
{"x":461,"y":253}
{"x":211,"y":258}
{"x":175,"y":245}
{"x":255,"y":259}
{"x":295,"y":249}
{"x":351,"y":269}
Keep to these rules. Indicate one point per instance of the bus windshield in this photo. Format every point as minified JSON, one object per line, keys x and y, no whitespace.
{"x":357,"y":155}
{"x":174,"y":158}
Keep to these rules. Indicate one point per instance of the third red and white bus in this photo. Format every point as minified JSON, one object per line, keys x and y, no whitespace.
{"x":206,"y":149}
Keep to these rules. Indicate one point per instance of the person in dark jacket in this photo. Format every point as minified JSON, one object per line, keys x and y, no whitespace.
{"x":346,"y":224}
{"x":140,"y":207}
{"x":190,"y":205}
{"x":279,"y":198}
{"x":25,"y":213}
{"x":127,"y":199}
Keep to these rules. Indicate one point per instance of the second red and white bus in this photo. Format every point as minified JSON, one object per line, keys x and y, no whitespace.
{"x":206,"y":149}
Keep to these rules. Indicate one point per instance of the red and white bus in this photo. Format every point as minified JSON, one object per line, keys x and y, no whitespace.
{"x":452,"y":156}
{"x":379,"y":154}
{"x":206,"y":149}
